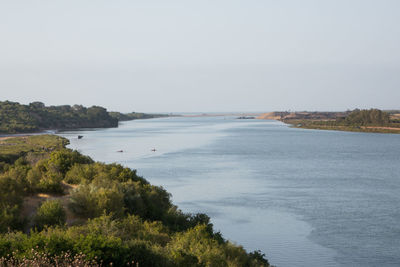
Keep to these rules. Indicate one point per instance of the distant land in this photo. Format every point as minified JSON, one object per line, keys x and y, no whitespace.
{"x":222,"y":114}
{"x":372,"y":120}
{"x":16,"y":118}
{"x":36,"y":117}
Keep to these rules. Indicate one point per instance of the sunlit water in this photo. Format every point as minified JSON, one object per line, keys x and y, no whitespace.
{"x":303,"y":197}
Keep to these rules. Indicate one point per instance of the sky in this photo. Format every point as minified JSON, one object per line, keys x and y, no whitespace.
{"x":202,"y":56}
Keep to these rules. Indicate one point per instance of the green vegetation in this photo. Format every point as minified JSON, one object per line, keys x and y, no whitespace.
{"x":134,"y":116}
{"x":17,"y":118}
{"x":98,"y":214}
{"x":50,"y":212}
{"x":33,"y":147}
{"x":372,"y":117}
{"x":372,"y":120}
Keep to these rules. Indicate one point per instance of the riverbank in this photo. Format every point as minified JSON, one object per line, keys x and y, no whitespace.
{"x":370,"y":121}
{"x":367,"y":129}
{"x":229,"y":114}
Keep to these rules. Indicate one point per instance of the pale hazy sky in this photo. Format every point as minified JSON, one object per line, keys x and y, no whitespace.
{"x":217,"y":55}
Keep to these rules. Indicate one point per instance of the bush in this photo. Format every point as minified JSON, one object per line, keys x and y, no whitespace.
{"x":9,"y":218}
{"x":146,"y":254}
{"x":50,"y":183}
{"x":64,"y":159}
{"x":50,"y":213}
{"x":107,"y":249}
{"x":198,"y":242}
{"x":11,"y":193}
{"x":89,"y":201}
{"x":80,"y":173}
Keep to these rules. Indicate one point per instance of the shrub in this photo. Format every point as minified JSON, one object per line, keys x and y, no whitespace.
{"x":9,"y":218}
{"x":3,"y":166}
{"x":50,"y":183}
{"x":51,"y":212}
{"x":64,"y":159}
{"x":198,"y":242}
{"x":107,"y":249}
{"x":18,"y":173}
{"x":89,"y":201}
{"x":147,"y":254}
{"x":11,"y":193}
{"x":80,"y":173}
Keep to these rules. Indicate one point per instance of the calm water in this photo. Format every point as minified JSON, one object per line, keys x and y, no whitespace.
{"x":303,"y":197}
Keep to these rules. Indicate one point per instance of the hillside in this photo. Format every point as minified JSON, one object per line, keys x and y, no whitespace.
{"x":17,"y":118}
{"x":59,"y":207}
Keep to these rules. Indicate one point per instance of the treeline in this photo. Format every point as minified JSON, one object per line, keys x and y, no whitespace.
{"x":354,"y":119}
{"x":367,"y":120}
{"x":17,"y":118}
{"x":134,"y":116}
{"x":366,"y":117}
{"x":102,"y":214}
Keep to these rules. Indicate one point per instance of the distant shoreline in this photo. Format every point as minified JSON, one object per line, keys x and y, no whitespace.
{"x":222,"y":114}
{"x":55,"y":131}
{"x":36,"y":117}
{"x":363,"y":129}
{"x":336,"y":121}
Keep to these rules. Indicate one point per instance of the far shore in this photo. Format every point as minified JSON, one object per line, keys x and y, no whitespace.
{"x":327,"y":121}
{"x":222,"y":114}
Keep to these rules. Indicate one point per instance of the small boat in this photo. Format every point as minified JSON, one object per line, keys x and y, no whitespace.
{"x":80,"y":136}
{"x":154,"y":150}
{"x":120,"y":151}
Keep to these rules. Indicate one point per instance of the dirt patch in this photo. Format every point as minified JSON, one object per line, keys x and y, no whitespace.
{"x":272,"y":116}
{"x":10,"y":137}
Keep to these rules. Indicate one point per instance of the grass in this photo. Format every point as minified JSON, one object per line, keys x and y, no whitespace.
{"x":12,"y":148}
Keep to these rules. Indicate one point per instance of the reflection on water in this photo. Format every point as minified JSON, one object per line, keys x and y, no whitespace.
{"x":304,"y":197}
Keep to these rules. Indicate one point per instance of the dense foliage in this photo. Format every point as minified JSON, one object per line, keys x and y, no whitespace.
{"x":372,"y":120}
{"x":365,"y":117}
{"x":15,"y":117}
{"x":50,"y":212}
{"x":102,"y":213}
